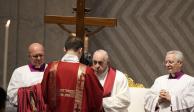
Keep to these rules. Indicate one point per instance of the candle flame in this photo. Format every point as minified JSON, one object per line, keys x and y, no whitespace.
{"x":8,"y":23}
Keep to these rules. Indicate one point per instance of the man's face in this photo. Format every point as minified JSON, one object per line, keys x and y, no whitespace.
{"x":36,"y":56}
{"x":99,"y":63}
{"x":172,"y":64}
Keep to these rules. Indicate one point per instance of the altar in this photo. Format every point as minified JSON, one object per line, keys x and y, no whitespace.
{"x":137,"y":99}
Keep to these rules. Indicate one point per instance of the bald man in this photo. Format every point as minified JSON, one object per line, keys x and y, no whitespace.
{"x":27,"y":76}
{"x":115,"y":84}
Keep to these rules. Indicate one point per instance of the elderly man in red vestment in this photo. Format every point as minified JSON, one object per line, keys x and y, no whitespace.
{"x":69,"y":86}
{"x":116,"y":96}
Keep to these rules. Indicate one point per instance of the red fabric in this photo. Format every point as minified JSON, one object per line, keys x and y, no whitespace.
{"x":24,"y":98}
{"x":109,"y":82}
{"x":66,"y":78}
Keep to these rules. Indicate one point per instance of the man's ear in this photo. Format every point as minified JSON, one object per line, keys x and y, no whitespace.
{"x":180,"y":62}
{"x":80,"y":50}
{"x":64,"y":50}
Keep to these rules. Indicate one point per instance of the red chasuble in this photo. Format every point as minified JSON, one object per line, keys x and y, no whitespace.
{"x":71,"y":87}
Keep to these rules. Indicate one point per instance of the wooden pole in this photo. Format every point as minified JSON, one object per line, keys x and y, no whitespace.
{"x":80,"y":26}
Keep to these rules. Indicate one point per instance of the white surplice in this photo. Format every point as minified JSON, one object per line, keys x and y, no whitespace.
{"x":22,"y":77}
{"x":120,"y":98}
{"x":181,"y":91}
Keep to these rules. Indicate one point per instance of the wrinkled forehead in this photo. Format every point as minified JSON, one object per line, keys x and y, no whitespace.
{"x":36,"y":51}
{"x":171,"y":57}
{"x":98,"y":57}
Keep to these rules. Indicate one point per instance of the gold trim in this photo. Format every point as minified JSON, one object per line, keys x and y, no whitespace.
{"x":132,"y":83}
{"x":66,"y":93}
{"x":79,"y":87}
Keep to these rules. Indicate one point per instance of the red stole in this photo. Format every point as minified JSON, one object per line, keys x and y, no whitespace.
{"x":30,"y":99}
{"x":109,"y":82}
{"x":79,"y":88}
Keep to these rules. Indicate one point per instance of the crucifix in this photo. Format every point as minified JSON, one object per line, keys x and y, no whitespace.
{"x":80,"y":21}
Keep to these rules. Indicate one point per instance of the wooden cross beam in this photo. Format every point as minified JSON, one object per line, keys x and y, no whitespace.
{"x":80,"y":20}
{"x":90,"y":21}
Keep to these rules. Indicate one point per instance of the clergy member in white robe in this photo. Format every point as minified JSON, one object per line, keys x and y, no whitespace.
{"x":116,"y":96}
{"x":173,"y":92}
{"x":27,"y":75}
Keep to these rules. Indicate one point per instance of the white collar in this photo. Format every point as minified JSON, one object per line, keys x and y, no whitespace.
{"x":70,"y":58}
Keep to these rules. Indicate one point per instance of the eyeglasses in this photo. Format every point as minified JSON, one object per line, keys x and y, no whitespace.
{"x":170,"y":62}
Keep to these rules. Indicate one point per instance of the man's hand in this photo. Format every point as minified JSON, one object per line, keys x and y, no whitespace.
{"x":164,"y":96}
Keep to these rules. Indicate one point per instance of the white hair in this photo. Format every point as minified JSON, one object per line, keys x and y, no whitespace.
{"x":179,"y":54}
{"x":104,"y":53}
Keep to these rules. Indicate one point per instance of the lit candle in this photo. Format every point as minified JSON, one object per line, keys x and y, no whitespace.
{"x":5,"y":54}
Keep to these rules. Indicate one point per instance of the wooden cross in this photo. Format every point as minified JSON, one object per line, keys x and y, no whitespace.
{"x":80,"y":20}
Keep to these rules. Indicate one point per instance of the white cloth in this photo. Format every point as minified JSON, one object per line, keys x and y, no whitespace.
{"x":22,"y":77}
{"x":120,"y":98}
{"x":181,"y":92}
{"x":70,"y":58}
{"x":137,"y":99}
